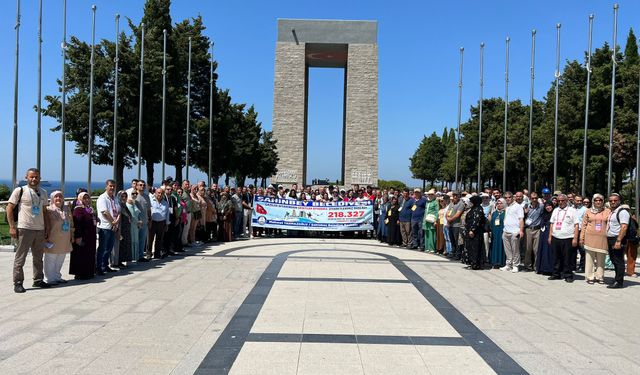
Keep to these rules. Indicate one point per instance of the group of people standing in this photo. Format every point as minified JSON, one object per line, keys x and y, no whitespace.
{"x":133,"y":225}
{"x":516,"y":232}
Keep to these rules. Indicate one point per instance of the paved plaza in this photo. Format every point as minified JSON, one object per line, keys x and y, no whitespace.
{"x":316,"y":306}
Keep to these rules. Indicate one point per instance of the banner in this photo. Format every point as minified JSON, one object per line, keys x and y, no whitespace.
{"x":302,"y":215}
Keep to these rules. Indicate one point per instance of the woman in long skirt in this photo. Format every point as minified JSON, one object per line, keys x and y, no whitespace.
{"x":497,"y":257}
{"x":440,"y":240}
{"x":545,"y":259}
{"x":382,"y":227}
{"x":125,"y":254}
{"x":474,"y":229}
{"x":83,"y":257}
{"x":393,"y":229}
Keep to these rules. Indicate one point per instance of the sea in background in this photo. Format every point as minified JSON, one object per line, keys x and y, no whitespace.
{"x":70,"y":187}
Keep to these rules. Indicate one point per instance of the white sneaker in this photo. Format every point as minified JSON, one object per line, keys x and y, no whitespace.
{"x":505,"y":268}
{"x":515,"y":270}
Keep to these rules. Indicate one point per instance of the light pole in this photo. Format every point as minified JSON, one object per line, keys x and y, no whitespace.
{"x":479,"y":187}
{"x":15,"y":101}
{"x":506,"y":116}
{"x":140,"y":107}
{"x":613,"y":95}
{"x":115,"y":102}
{"x":39,"y":105}
{"x":586,"y":110}
{"x":533,"y":77}
{"x":164,"y":95}
{"x":555,"y":127}
{"x":188,"y":111}
{"x":459,"y":118}
{"x":210,"y":116}
{"x":64,"y":97}
{"x":90,"y":140}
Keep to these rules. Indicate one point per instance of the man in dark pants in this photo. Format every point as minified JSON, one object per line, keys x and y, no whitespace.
{"x":563,"y":238}
{"x":173,"y":229}
{"x":417,"y":215}
{"x":616,"y":232}
{"x":159,"y":221}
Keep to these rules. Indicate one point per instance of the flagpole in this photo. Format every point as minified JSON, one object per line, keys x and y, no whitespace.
{"x":64,"y":96}
{"x":140,"y":107}
{"x":638,"y":158}
{"x":459,"y":117}
{"x":115,"y":102}
{"x":39,"y":105}
{"x":210,"y":116}
{"x":586,"y":109}
{"x":90,"y":139}
{"x":479,"y":187}
{"x":188,"y":111}
{"x":533,"y":77}
{"x":613,"y":95}
{"x":164,"y":95}
{"x":506,"y":117}
{"x":15,"y":100}
{"x":555,"y":127}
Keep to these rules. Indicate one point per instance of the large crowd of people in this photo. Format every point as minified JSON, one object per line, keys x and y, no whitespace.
{"x":545,"y":233}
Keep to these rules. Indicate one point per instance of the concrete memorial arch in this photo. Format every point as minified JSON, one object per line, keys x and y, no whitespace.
{"x":351,"y":45}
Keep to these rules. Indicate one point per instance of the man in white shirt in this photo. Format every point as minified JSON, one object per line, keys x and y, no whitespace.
{"x":563,"y":238}
{"x":513,"y":231}
{"x":616,"y":232}
{"x":109,"y":218}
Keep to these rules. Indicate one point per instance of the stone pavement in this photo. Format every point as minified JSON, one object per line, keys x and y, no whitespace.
{"x":316,"y":306}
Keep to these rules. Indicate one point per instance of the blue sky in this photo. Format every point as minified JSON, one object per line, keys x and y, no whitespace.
{"x":418,"y":65}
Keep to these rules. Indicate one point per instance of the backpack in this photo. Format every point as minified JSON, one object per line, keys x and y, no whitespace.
{"x":16,"y":209}
{"x":632,"y":229}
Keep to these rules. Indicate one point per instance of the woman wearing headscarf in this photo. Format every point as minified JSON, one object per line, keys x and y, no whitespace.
{"x":393,"y":226}
{"x":383,"y":207}
{"x":125,"y":251}
{"x":593,"y":238}
{"x":136,"y":224}
{"x":545,"y":259}
{"x":474,"y":228}
{"x":462,"y":238}
{"x":440,"y":240}
{"x":59,"y":241}
{"x":83,"y":257}
{"x":497,"y":257}
{"x":226,"y":212}
{"x":429,"y":222}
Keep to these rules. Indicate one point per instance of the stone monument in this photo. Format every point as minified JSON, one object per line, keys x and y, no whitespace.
{"x":351,"y":45}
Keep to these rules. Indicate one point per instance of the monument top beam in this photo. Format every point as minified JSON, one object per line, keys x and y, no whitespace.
{"x":327,"y":31}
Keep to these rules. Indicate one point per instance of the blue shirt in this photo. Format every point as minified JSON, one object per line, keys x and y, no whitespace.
{"x":418,"y":213}
{"x":159,"y":210}
{"x":405,"y":211}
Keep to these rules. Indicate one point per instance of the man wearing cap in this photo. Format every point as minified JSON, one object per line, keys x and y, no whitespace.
{"x":546,"y":194}
{"x":404,"y":219}
{"x":417,"y":216}
{"x":429,"y":222}
{"x":453,"y":215}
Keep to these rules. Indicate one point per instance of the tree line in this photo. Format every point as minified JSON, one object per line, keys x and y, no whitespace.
{"x":434,"y":159}
{"x":241,"y":148}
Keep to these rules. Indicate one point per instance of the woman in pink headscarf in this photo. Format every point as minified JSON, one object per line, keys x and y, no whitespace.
{"x":83,"y":256}
{"x":59,"y":241}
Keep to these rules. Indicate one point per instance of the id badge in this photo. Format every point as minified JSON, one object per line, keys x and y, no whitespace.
{"x":389,"y":213}
{"x":386,"y":221}
{"x":528,"y":222}
{"x":496,"y":222}
{"x":558,"y":225}
{"x":35,"y":210}
{"x":171,"y":210}
{"x":65,"y":226}
{"x":413,"y":208}
{"x":598,"y":227}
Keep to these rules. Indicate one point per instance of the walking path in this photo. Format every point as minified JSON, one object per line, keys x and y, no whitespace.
{"x":316,"y":306}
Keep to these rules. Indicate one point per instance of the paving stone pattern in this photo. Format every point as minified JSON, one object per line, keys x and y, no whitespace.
{"x":334,"y":308}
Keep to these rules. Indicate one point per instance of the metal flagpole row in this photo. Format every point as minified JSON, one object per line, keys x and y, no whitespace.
{"x":64,"y":96}
{"x":533,"y":77}
{"x":90,"y":139}
{"x":140,"y":108}
{"x":479,"y":186}
{"x":586,"y":110}
{"x":115,"y":101}
{"x":555,"y":127}
{"x":164,"y":95}
{"x":188,"y":111}
{"x":506,"y":116}
{"x":459,"y":118}
{"x":210,"y":116}
{"x":15,"y":100}
{"x":613,"y":95}
{"x":39,"y":105}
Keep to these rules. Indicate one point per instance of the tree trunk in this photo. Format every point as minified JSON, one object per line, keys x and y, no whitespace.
{"x":178,"y":176}
{"x":263,"y":183}
{"x":149,"y":167}
{"x":423,"y":184}
{"x":119,"y":177}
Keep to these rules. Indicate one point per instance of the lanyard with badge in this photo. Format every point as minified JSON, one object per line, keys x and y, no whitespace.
{"x":35,"y":205}
{"x":560,"y":221}
{"x":65,"y":221}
